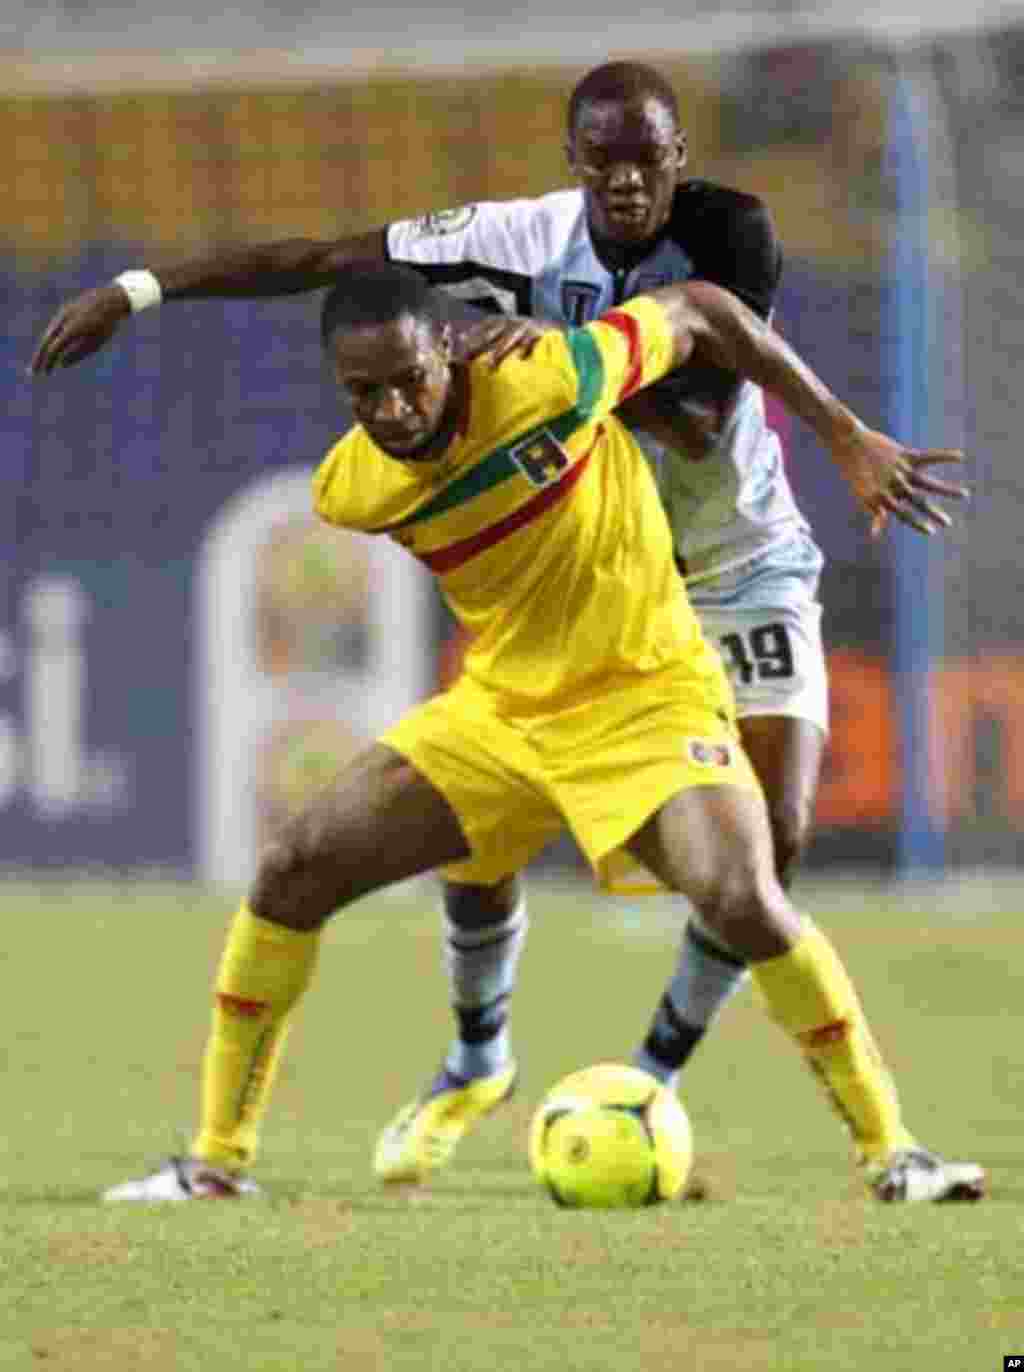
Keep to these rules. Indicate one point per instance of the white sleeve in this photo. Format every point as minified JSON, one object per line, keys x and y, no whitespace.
{"x":489,"y":253}
{"x":502,"y":234}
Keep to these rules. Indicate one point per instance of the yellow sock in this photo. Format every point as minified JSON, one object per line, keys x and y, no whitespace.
{"x":263,"y":971}
{"x":810,"y":995}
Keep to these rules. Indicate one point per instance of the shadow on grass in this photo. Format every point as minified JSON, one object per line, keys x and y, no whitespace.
{"x":50,"y":1195}
{"x":380,"y":1200}
{"x":1005,"y":1179}
{"x":498,"y":1164}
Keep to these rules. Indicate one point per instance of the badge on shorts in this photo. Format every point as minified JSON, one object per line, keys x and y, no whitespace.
{"x":707,"y":754}
{"x":443,"y":222}
{"x":540,"y":458}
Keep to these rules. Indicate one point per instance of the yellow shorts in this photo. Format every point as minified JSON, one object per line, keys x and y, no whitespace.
{"x":602,"y":766}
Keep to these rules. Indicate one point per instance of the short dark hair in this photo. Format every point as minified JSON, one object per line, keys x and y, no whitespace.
{"x":372,"y":292}
{"x":626,"y":81}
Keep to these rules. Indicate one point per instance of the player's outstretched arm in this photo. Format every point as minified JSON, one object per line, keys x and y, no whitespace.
{"x":87,"y":321}
{"x":886,"y":477}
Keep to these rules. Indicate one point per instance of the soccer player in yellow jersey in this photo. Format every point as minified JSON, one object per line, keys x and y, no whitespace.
{"x":589,"y":697}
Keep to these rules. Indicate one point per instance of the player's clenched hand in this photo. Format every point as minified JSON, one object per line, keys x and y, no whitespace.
{"x":500,"y":337}
{"x":80,"y":328}
{"x":888,"y":478}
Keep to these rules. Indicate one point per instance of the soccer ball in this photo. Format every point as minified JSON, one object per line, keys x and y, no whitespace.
{"x":610,"y":1137}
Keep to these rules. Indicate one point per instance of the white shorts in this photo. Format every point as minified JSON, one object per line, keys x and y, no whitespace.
{"x":766,"y":620}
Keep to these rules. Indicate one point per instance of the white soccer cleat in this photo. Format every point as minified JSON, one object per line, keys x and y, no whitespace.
{"x":914,"y":1174}
{"x":181,"y":1179}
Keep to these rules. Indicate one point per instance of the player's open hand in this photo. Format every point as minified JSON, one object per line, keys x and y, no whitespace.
{"x":80,"y":328}
{"x":499,"y":337}
{"x":888,"y":478}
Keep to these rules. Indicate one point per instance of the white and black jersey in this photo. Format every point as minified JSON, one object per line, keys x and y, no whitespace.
{"x":536,"y":257}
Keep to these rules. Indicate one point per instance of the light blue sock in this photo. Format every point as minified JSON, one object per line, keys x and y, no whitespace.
{"x":706,"y":976}
{"x":481,"y":965}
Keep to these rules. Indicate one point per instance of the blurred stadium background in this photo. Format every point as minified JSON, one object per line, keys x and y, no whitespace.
{"x":182,"y":652}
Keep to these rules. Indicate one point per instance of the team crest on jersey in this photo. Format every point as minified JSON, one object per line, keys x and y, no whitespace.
{"x":443,"y":222}
{"x":579,"y":301}
{"x":707,"y":754}
{"x":540,"y":458}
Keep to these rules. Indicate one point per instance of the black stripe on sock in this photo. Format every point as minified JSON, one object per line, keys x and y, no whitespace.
{"x":712,"y":950}
{"x":480,"y":1023}
{"x":677,"y":1024}
{"x":488,"y":943}
{"x":672,"y":1046}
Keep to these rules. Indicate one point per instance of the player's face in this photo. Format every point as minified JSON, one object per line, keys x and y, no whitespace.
{"x":628,"y":155}
{"x":399,"y":381}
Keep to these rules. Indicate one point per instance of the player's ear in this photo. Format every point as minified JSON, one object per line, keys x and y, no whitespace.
{"x":682,"y":150}
{"x":570,"y":153}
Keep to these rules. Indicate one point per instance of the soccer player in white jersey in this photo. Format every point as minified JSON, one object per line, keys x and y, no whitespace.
{"x":635,"y":223}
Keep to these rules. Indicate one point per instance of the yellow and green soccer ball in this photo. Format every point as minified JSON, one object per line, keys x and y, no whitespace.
{"x":610,"y":1137}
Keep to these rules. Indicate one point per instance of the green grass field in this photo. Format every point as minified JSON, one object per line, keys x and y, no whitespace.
{"x":786,"y":1264}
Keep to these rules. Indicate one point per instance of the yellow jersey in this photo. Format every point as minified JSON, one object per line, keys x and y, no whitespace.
{"x":541,"y":520}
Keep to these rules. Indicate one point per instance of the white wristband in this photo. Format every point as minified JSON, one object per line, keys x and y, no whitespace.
{"x":142,"y":289}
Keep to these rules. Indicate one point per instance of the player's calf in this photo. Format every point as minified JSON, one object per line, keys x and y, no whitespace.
{"x":791,"y":830}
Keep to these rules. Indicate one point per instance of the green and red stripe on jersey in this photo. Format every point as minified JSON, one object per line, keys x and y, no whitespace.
{"x":629,"y":327}
{"x":455,"y":554}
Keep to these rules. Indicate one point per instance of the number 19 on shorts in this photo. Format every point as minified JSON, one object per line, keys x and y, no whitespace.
{"x":764,"y":653}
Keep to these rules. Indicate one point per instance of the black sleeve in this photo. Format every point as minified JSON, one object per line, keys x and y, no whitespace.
{"x":731,"y":241}
{"x":741,"y":253}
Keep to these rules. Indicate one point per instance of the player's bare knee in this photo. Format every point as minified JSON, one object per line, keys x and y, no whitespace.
{"x":723,"y":893}
{"x":291,"y":886}
{"x":277,"y":872}
{"x":747,"y":910}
